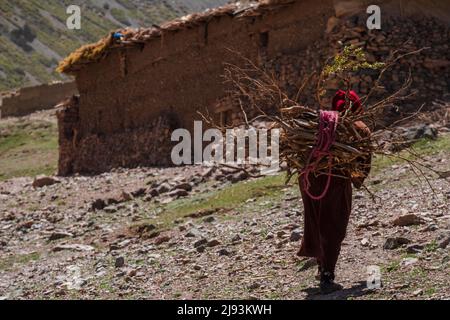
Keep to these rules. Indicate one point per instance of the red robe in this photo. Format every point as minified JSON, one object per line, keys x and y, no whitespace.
{"x":326,"y":219}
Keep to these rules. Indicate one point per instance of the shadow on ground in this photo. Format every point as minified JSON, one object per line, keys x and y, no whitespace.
{"x":357,"y":290}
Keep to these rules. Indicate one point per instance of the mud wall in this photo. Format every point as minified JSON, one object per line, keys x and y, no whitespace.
{"x":178,"y":75}
{"x":120,"y":149}
{"x":30,"y":99}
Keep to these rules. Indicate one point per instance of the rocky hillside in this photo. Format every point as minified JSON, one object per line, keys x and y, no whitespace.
{"x":198,"y":232}
{"x":34,"y":36}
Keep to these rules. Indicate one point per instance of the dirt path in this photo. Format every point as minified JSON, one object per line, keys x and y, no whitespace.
{"x":221,"y":239}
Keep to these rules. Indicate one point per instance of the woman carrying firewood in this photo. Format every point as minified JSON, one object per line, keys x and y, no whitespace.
{"x":327,"y":199}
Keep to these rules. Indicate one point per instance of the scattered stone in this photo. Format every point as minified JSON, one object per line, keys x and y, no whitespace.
{"x":269,"y":236}
{"x":183,"y":186}
{"x":209,"y":219}
{"x":296,"y":235}
{"x":281,"y":234}
{"x":213,"y":243}
{"x":239,"y":176}
{"x":219,"y":177}
{"x":124,"y":197}
{"x":420,"y":131}
{"x":25,"y":225}
{"x":408,"y":262}
{"x":236,"y":238}
{"x":152,"y":183}
{"x":73,"y":247}
{"x":200,"y":242}
{"x":162,"y":239}
{"x":148,"y":198}
{"x":195,"y":181}
{"x":414,"y":248}
{"x":254,"y":286}
{"x":376,"y":181}
{"x":193,"y":233}
{"x":202,"y":213}
{"x":163,"y":188}
{"x":444,"y":241}
{"x":201,"y":248}
{"x":365,"y":242}
{"x":153,"y":192}
{"x":178,"y":193}
{"x":110,"y":209}
{"x":59,"y":235}
{"x":368,"y":225}
{"x":42,"y":181}
{"x":98,"y":204}
{"x":395,"y":242}
{"x":132,"y":272}
{"x":120,"y":262}
{"x":407,"y":220}
{"x":418,"y":292}
{"x":208,"y":172}
{"x":430,"y":227}
{"x":223,"y":252}
{"x":143,"y":228}
{"x":138,"y":193}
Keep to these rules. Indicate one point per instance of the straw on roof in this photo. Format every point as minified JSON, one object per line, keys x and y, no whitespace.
{"x":92,"y":53}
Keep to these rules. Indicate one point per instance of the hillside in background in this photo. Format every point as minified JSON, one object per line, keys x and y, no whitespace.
{"x":34,"y":36}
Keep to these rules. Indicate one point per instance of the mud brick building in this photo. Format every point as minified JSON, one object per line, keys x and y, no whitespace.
{"x":136,"y":86}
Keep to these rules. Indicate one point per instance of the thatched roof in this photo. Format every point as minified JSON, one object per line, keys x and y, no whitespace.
{"x":92,"y":53}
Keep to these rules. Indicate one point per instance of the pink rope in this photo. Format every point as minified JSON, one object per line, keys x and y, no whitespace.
{"x":328,"y":122}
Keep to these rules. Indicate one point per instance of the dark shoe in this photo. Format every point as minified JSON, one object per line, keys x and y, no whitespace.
{"x":327,"y":284}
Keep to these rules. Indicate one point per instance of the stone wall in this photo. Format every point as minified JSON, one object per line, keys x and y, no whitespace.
{"x":430,"y":69}
{"x":30,"y":99}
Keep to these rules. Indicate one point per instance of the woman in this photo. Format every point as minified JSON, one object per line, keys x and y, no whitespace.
{"x":326,"y":219}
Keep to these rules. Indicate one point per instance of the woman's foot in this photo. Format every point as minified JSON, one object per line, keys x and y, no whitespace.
{"x":327,"y":284}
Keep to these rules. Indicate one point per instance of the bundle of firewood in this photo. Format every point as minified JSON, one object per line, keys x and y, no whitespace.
{"x":258,"y":94}
{"x":299,"y":129}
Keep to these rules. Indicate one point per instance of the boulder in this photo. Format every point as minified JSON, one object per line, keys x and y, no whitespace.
{"x":296,"y":235}
{"x":42,"y":181}
{"x":419,"y":132}
{"x":183,"y":186}
{"x":161,"y":239}
{"x":178,"y":193}
{"x":213,"y":243}
{"x":392,"y":243}
{"x":73,"y":247}
{"x":238,"y":176}
{"x":407,"y":220}
{"x":138,"y":193}
{"x":98,"y":204}
{"x":163,"y":188}
{"x":201,"y":242}
{"x":59,"y":235}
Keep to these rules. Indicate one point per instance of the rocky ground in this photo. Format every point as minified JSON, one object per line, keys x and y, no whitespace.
{"x":198,"y":232}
